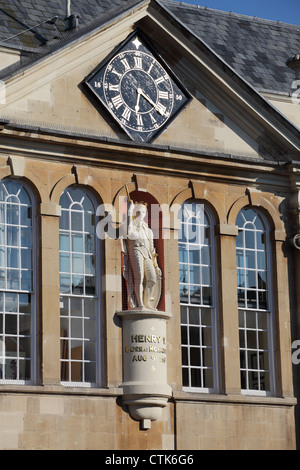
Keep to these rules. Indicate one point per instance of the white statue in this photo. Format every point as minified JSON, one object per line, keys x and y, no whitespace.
{"x":142,"y":274}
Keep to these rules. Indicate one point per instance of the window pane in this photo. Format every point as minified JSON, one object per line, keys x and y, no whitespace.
{"x":183,"y":315}
{"x":261,"y":260}
{"x":26,"y":259}
{"x":184,"y":339}
{"x":2,"y":278}
{"x":183,"y":293}
{"x":90,"y":372}
{"x":207,"y":296}
{"x":194,"y":274}
{"x":13,"y":258}
{"x":89,"y":243}
{"x":194,"y":316}
{"x":13,"y":279}
{"x":206,"y":318}
{"x":185,"y":377}
{"x":205,"y":255}
{"x":13,"y":212}
{"x":64,"y":219}
{"x":208,"y":357}
{"x":2,"y":257}
{"x":208,"y":378}
{"x":184,"y":356}
{"x":77,"y":263}
{"x":26,"y":280}
{"x":65,"y":282}
{"x":249,"y":239}
{"x":195,"y":295}
{"x":195,"y":356}
{"x":206,"y":276}
{"x":64,"y":262}
{"x":194,"y":335}
{"x":77,"y":243}
{"x":76,"y":307}
{"x":11,"y":302}
{"x":26,"y":238}
{"x":194,"y":256}
{"x":89,"y":307}
{"x":89,"y":224}
{"x":196,"y":379}
{"x":77,"y":221}
{"x":64,"y":241}
{"x":183,"y":273}
{"x":90,"y":265}
{"x":241,"y":278}
{"x":240,"y":258}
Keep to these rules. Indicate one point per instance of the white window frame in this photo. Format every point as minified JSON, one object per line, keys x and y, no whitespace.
{"x":202,"y":307}
{"x":81,"y":297}
{"x":268,"y":311}
{"x":33,"y":292}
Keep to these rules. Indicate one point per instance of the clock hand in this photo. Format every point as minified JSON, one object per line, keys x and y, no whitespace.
{"x":137,"y":107}
{"x":147,"y":98}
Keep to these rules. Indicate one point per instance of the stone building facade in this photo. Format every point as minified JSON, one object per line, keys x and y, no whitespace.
{"x":215,"y":366}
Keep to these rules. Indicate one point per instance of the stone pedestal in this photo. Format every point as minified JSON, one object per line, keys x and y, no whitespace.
{"x":145,"y":388}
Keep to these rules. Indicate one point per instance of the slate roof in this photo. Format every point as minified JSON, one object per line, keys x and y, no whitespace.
{"x":256,"y":49}
{"x":17,"y":16}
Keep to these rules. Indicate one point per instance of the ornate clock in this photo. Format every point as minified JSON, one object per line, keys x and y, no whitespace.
{"x":138,"y":89}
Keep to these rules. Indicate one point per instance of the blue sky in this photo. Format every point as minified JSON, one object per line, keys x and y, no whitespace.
{"x":287,"y":11}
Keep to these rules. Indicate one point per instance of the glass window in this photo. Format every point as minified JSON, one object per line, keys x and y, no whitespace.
{"x":16,"y":284}
{"x":197,"y":298}
{"x":79,"y":289}
{"x":254,"y":301}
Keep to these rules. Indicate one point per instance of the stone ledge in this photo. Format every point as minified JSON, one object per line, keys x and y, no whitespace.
{"x":59,"y":390}
{"x":181,"y":396}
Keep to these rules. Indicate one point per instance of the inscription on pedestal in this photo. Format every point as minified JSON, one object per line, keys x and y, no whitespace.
{"x":145,"y":348}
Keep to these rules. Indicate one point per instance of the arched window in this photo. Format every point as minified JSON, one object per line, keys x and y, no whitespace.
{"x":79,"y":289}
{"x":198,"y":298}
{"x":255,"y":302}
{"x":17,"y":284}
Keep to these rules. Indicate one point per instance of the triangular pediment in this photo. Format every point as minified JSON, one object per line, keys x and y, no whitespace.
{"x":223,"y":115}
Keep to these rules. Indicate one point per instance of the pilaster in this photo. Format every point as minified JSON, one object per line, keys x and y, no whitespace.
{"x":49,"y":294}
{"x":229,"y":333}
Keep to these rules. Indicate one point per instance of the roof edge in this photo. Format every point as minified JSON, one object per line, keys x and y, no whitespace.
{"x":234,"y":14}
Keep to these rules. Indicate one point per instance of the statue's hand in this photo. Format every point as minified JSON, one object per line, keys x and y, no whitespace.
{"x":158,"y":271}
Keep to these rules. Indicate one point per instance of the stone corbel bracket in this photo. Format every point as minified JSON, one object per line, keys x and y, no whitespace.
{"x":14,"y":167}
{"x":145,"y":388}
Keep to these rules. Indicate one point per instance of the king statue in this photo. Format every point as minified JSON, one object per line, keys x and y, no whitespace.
{"x":140,"y":270}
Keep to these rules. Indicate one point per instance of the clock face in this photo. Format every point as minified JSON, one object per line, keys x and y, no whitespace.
{"x":138,"y":89}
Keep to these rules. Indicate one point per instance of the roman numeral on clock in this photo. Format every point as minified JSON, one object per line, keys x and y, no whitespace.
{"x":126,"y":114}
{"x":153,"y":120}
{"x":159,"y":80}
{"x":138,"y":62}
{"x":139,"y":120}
{"x":163,"y":95}
{"x":114,"y":87}
{"x":125,"y":63}
{"x":117,"y":101}
{"x":161,"y":109}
